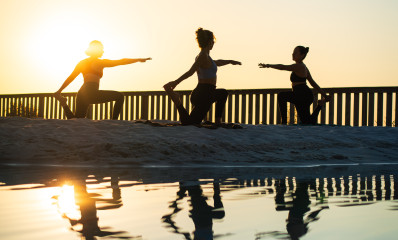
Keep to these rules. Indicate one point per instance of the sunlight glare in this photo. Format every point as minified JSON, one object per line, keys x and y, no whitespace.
{"x":59,"y":44}
{"x":66,"y":202}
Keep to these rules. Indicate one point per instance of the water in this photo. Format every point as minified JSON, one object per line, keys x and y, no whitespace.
{"x":340,"y":202}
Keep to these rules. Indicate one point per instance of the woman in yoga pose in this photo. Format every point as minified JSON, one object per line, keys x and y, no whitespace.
{"x":205,"y":93}
{"x":301,"y":95}
{"x":92,"y":70}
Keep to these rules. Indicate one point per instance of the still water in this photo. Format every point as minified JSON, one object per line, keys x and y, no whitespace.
{"x":75,"y":203}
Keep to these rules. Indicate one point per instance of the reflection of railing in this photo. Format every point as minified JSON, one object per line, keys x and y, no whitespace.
{"x":365,"y":106}
{"x":355,"y":189}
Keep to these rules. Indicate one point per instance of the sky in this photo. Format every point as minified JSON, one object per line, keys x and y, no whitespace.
{"x":352,"y":43}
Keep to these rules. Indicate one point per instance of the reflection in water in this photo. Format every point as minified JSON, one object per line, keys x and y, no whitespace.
{"x":298,"y":207}
{"x":201,"y":213}
{"x":66,"y":203}
{"x":304,"y":201}
{"x":317,"y":194}
{"x":86,"y":203}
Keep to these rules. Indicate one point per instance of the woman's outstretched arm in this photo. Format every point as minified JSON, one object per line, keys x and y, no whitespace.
{"x":221,"y":62}
{"x":124,"y":61}
{"x":293,"y":67}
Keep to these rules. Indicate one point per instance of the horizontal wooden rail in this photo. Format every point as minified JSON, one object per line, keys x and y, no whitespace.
{"x":364,"y":106}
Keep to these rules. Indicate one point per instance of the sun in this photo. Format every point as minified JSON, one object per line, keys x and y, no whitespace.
{"x":57,"y":45}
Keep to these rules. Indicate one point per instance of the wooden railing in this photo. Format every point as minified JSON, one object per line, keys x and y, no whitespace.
{"x":365,"y":106}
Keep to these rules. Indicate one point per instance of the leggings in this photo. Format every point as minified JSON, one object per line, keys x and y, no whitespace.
{"x":302,"y":97}
{"x":89,"y":94}
{"x":202,"y":97}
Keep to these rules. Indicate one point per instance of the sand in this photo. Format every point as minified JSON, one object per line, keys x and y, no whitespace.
{"x":85,"y":142}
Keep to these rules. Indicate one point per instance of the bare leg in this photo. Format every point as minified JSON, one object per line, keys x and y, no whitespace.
{"x":63,"y":102}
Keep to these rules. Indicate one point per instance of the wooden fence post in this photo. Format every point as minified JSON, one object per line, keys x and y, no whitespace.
{"x":371,"y":109}
{"x":271,"y":108}
{"x":348,"y":109}
{"x":331,"y":109}
{"x":257,"y":109}
{"x":41,"y":106}
{"x":237,"y":109}
{"x":144,"y":107}
{"x":265,"y":108}
{"x":356,"y":109}
{"x":380,"y":109}
{"x":389,"y":110}
{"x":364,"y":109}
{"x":229,"y":115}
{"x":339,"y":108}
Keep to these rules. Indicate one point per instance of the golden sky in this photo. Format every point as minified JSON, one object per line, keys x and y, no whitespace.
{"x":352,"y":43}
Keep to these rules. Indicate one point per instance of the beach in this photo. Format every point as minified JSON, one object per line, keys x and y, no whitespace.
{"x":141,"y":181}
{"x":86,"y":142}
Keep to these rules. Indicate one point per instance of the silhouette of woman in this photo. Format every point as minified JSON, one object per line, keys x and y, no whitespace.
{"x":301,"y":95}
{"x":205,"y":93}
{"x":92,"y":70}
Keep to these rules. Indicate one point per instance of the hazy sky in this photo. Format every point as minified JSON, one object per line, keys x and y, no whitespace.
{"x":352,"y":43}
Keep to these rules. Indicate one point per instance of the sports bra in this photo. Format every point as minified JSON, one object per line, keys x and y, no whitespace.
{"x":208,"y":73}
{"x":295,"y":78}
{"x":91,"y":73}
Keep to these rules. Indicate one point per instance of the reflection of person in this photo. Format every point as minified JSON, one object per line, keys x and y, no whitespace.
{"x":201,"y":213}
{"x":301,"y":95}
{"x":205,"y":93}
{"x":296,"y":225}
{"x":88,"y":210}
{"x":92,"y":70}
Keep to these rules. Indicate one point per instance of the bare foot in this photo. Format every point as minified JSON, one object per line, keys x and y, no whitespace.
{"x":175,"y":97}
{"x":323,"y":100}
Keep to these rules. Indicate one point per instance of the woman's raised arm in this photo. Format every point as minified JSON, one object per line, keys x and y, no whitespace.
{"x":199,"y":60}
{"x":70,"y":79}
{"x":315,"y":85}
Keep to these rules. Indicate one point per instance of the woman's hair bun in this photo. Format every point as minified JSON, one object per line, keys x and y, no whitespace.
{"x":204,"y":37}
{"x":303,"y":50}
